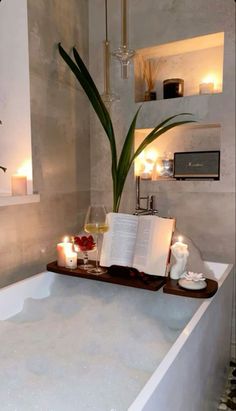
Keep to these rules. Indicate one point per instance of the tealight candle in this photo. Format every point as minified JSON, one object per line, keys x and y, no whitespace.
{"x":146,"y":175}
{"x":71,"y":260}
{"x":18,"y":185}
{"x":63,"y":249}
{"x":206,"y":88}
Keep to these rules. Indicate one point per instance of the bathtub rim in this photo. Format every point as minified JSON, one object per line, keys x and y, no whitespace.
{"x":151,"y":385}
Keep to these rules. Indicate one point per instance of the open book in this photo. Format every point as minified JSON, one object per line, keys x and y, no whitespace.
{"x":142,"y":242}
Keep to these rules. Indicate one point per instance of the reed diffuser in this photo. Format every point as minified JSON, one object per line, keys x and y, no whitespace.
{"x":149,"y":69}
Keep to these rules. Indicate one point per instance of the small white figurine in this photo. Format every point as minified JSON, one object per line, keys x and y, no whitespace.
{"x":181,"y":253}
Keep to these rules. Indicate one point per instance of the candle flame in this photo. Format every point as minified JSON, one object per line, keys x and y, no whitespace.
{"x":25,"y":169}
{"x":151,"y":155}
{"x":145,"y":161}
{"x":66,"y":239}
{"x":180,"y":238}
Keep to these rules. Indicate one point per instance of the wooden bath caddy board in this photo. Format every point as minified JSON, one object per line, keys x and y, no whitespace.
{"x":172,"y":287}
{"x":114,"y":275}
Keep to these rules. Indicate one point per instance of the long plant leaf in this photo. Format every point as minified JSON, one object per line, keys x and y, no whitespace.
{"x":126,"y":154}
{"x":90,"y":89}
{"x":86,"y":74}
{"x":153,"y":135}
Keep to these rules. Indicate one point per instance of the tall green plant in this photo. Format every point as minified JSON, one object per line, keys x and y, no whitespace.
{"x":119,"y":167}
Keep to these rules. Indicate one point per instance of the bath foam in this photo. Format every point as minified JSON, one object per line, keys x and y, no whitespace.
{"x":88,"y":346}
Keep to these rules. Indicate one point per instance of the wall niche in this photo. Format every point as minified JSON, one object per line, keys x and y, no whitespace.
{"x":15,"y":130}
{"x":197,"y":60}
{"x":185,"y":138}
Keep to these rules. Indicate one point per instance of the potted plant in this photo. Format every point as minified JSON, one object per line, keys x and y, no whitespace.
{"x":119,"y":167}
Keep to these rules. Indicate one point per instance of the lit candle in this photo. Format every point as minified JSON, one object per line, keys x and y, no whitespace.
{"x":181,"y":253}
{"x":19,"y":185}
{"x":63,"y":249}
{"x":146,"y":175}
{"x":71,"y":260}
{"x":206,"y":88}
{"x":148,"y":169}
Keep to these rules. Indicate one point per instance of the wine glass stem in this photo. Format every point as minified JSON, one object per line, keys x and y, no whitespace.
{"x":97,"y":252}
{"x":85,"y":257}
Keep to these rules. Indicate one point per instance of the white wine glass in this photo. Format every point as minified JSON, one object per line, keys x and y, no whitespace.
{"x":95,"y":223}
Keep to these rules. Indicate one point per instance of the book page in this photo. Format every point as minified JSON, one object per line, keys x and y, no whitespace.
{"x":119,"y":241}
{"x":153,"y":244}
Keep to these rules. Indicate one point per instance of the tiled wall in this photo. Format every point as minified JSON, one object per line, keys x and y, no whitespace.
{"x":60,"y":143}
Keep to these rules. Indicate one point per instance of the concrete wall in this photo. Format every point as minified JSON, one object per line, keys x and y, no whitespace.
{"x":60,"y":143}
{"x":205,"y":211}
{"x":14,"y":90}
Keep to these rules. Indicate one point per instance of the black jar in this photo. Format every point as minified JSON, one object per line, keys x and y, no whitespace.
{"x":173,"y":87}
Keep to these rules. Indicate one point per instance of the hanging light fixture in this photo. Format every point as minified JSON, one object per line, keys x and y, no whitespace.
{"x":107,"y":96}
{"x":123,"y":53}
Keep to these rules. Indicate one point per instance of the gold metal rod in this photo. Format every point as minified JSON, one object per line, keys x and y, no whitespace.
{"x":106,"y":67}
{"x":124,"y":23}
{"x":106,"y":19}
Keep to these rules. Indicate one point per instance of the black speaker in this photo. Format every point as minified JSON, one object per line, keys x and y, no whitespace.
{"x":197,"y":164}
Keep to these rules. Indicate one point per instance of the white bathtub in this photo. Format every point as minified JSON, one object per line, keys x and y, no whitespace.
{"x":192,"y":373}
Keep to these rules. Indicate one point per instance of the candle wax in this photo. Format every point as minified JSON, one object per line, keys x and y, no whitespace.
{"x":19,"y":185}
{"x":62,"y":250}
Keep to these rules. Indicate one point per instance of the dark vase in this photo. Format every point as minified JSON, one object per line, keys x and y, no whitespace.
{"x":150,"y":95}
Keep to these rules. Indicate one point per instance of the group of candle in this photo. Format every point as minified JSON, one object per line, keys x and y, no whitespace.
{"x":66,"y":256}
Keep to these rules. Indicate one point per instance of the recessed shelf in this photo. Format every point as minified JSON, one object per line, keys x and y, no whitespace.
{"x":186,"y":138}
{"x":7,"y":200}
{"x":195,"y":60}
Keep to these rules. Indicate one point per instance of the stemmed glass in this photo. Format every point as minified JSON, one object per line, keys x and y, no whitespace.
{"x":84,"y":243}
{"x":95,"y":223}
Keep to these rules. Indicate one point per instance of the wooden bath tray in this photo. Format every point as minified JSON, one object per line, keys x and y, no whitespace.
{"x":115,"y":275}
{"x":172,"y":287}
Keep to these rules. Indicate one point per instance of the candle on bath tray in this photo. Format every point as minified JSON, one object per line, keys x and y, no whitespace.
{"x":19,"y":185}
{"x":180,"y":245}
{"x":71,"y":260}
{"x":181,"y":253}
{"x":63,"y":249}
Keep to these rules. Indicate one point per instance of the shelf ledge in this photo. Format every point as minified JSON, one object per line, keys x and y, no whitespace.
{"x":7,"y":200}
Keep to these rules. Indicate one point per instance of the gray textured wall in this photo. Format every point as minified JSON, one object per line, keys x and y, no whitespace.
{"x":60,"y":141}
{"x":205,"y":211}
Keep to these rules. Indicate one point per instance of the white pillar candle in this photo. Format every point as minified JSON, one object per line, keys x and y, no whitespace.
{"x":19,"y":185}
{"x":206,"y":88}
{"x":63,"y":249}
{"x":181,"y":253}
{"x":71,"y":260}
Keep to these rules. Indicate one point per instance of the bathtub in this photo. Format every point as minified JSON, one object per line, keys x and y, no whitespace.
{"x":189,"y":377}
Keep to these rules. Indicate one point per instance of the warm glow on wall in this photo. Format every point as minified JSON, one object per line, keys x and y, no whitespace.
{"x":210,"y":83}
{"x":145,"y":162}
{"x":26,"y":169}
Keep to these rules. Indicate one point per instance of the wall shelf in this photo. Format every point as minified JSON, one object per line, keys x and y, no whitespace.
{"x":185,"y":138}
{"x":7,"y":200}
{"x":195,"y":60}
